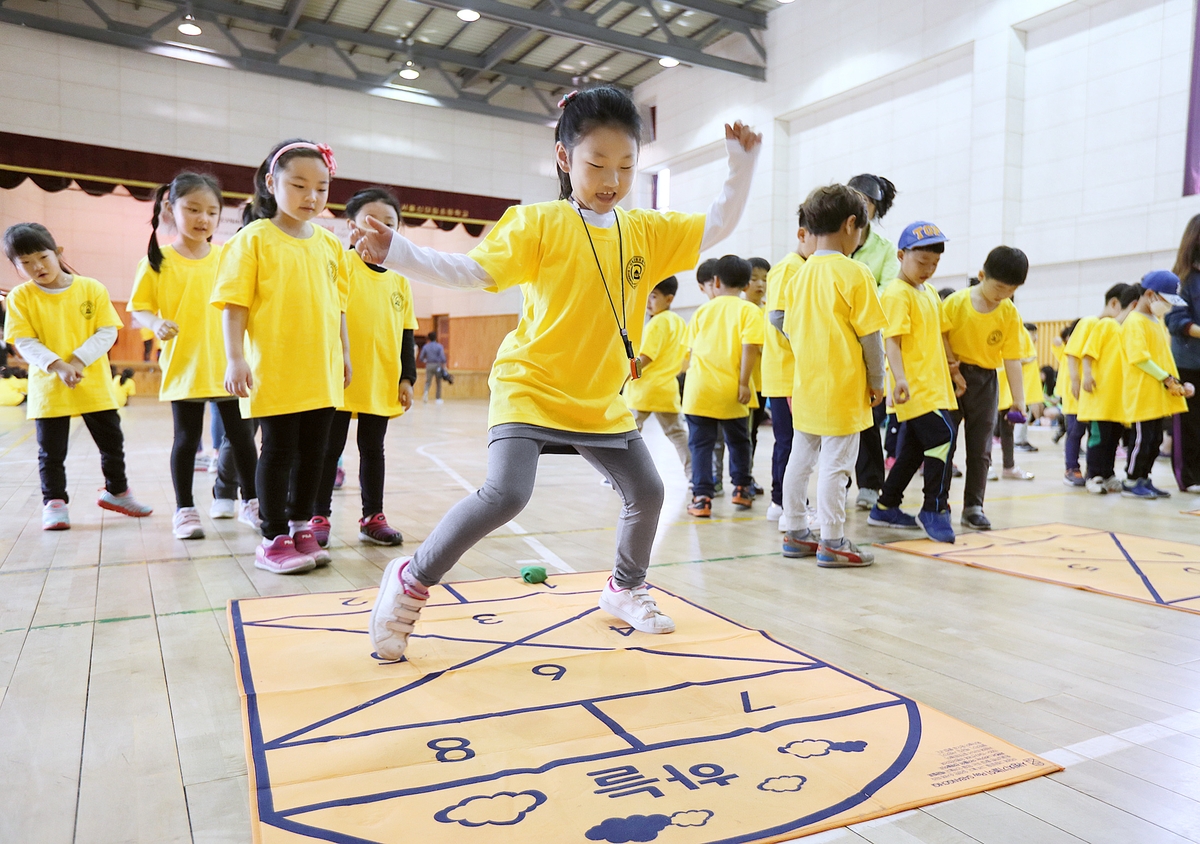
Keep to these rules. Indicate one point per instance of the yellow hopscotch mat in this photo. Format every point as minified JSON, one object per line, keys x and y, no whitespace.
{"x":523,"y":713}
{"x":1154,"y":571}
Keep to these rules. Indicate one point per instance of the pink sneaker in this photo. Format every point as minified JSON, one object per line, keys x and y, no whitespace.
{"x":281,"y":557}
{"x":376,"y":530}
{"x":306,"y":544}
{"x":320,"y":527}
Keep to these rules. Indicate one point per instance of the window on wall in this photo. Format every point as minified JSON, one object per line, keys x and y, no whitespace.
{"x":660,"y":190}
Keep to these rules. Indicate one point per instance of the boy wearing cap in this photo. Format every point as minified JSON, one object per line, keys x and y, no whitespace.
{"x":982,"y":332}
{"x":922,"y":391}
{"x":1152,"y":387}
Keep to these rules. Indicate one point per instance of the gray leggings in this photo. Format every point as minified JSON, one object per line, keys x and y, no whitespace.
{"x":512,"y":468}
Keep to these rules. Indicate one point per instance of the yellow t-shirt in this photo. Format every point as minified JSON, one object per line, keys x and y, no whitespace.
{"x":296,"y":291}
{"x":1076,"y":343}
{"x":914,"y":315}
{"x":123,"y":391}
{"x":832,"y":303}
{"x":564,"y":365}
{"x":62,"y":321}
{"x":1103,"y":343}
{"x":1144,"y":338}
{"x":1031,"y":374}
{"x":378,"y":310}
{"x":716,"y":334}
{"x":777,"y":359}
{"x":193,"y":362}
{"x":10,"y":394}
{"x":983,"y":340}
{"x":664,"y":341}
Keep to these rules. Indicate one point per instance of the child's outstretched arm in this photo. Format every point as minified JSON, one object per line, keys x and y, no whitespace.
{"x":872,"y":346}
{"x":378,"y":244}
{"x":742,"y":145}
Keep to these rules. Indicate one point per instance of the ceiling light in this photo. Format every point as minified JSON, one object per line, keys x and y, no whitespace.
{"x":410,"y":72}
{"x":468,"y":15}
{"x":189,"y":26}
{"x":668,"y":61}
{"x":786,"y":1}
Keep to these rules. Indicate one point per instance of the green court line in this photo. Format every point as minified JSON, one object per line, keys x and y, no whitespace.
{"x":111,"y":620}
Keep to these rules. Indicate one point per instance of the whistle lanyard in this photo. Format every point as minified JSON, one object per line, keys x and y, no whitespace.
{"x":622,"y":320}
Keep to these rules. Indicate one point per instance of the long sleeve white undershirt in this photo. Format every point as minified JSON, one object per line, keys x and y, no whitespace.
{"x":90,"y":351}
{"x":461,"y":272}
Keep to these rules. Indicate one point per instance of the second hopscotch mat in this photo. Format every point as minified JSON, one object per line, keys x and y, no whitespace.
{"x":523,"y":713}
{"x":1140,"y":568}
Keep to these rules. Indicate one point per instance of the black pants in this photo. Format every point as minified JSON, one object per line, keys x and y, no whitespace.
{"x":927,"y":439}
{"x":1004,"y":430}
{"x":54,"y":433}
{"x":371,"y":431}
{"x":869,"y":470}
{"x":189,"y":427}
{"x":1147,"y":440}
{"x":290,"y":440}
{"x":977,"y":409}
{"x":1185,"y":447}
{"x":1103,"y":439}
{"x":781,"y":426}
{"x":702,"y":434}
{"x":891,"y":436}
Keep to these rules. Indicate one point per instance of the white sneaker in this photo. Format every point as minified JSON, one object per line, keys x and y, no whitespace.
{"x":1095,"y":486}
{"x":867,"y":499}
{"x":54,"y":515}
{"x":993,"y":473}
{"x":212,"y":462}
{"x":1194,"y":489}
{"x":397,"y":607}
{"x":186,"y":524}
{"x":635,"y":607}
{"x":439,"y":401}
{"x":774,"y":512}
{"x":223,"y":508}
{"x":1016,"y":473}
{"x":248,"y":514}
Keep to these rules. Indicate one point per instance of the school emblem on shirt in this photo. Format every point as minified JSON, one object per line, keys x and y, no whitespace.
{"x":88,"y":309}
{"x":397,"y":301}
{"x":333,"y":272}
{"x":634,"y":270}
{"x":995,"y":337}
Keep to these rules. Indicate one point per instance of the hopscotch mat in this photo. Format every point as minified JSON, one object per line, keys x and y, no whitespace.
{"x":1154,"y":571}
{"x":523,"y":713}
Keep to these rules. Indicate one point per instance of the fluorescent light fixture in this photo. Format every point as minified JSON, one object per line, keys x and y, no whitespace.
{"x":468,"y":15}
{"x":668,"y":61}
{"x":408,"y":95}
{"x":410,"y":73}
{"x":189,"y":26}
{"x":787,"y":1}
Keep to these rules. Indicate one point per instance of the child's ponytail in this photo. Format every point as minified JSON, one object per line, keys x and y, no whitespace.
{"x":153,"y":253}
{"x":262,"y":205}
{"x":583,"y":111}
{"x":182,"y":185}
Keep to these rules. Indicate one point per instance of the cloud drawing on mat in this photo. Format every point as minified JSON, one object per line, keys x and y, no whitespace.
{"x":696,"y":817}
{"x":503,"y":809}
{"x":780,"y":785}
{"x":624,"y":830}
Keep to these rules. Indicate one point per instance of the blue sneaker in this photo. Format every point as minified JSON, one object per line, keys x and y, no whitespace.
{"x":1158,"y":493}
{"x":937,"y":526}
{"x":1141,"y":489}
{"x":892,"y":517}
{"x":797,"y":544}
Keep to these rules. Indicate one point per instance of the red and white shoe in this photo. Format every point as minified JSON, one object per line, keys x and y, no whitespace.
{"x":376,"y":530}
{"x":125,"y":504}
{"x":320,"y":527}
{"x":397,"y":607}
{"x":54,"y":515}
{"x":279,"y":555}
{"x":306,"y":543}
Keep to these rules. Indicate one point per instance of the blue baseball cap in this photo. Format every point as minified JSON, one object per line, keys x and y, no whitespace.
{"x":1165,"y":283}
{"x":920,"y":233}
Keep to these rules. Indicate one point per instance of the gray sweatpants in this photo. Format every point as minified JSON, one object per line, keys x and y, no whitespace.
{"x":673,"y":426}
{"x":512,"y":468}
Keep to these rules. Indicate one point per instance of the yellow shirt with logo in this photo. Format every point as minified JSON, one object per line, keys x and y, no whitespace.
{"x":1076,"y":343}
{"x":664,"y":342}
{"x":295,"y":290}
{"x":914,"y":317}
{"x":832,"y":303}
{"x":379,"y":308}
{"x":564,"y":365}
{"x":1106,"y":403}
{"x":1144,"y":338}
{"x":62,"y":321}
{"x":193,"y":362}
{"x":983,"y":340}
{"x":716,"y":334}
{"x":777,"y":360}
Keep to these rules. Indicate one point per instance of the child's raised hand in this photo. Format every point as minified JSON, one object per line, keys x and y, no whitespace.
{"x":743,"y":134}
{"x":900,"y":394}
{"x":373,"y":241}
{"x":66,"y":373}
{"x":238,"y":379}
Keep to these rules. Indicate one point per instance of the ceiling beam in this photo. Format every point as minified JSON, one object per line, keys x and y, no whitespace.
{"x":725,"y":11}
{"x":366,"y":84}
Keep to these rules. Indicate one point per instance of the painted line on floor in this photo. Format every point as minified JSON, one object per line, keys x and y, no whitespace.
{"x":115,"y":619}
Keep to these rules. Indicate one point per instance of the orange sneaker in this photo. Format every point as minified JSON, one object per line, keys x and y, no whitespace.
{"x":742,"y":499}
{"x":701,"y":507}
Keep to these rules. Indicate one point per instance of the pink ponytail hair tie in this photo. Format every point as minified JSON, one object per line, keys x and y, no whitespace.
{"x":565,"y":101}
{"x":323,"y":149}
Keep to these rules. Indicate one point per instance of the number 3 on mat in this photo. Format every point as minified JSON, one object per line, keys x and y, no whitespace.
{"x":447,"y":746}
